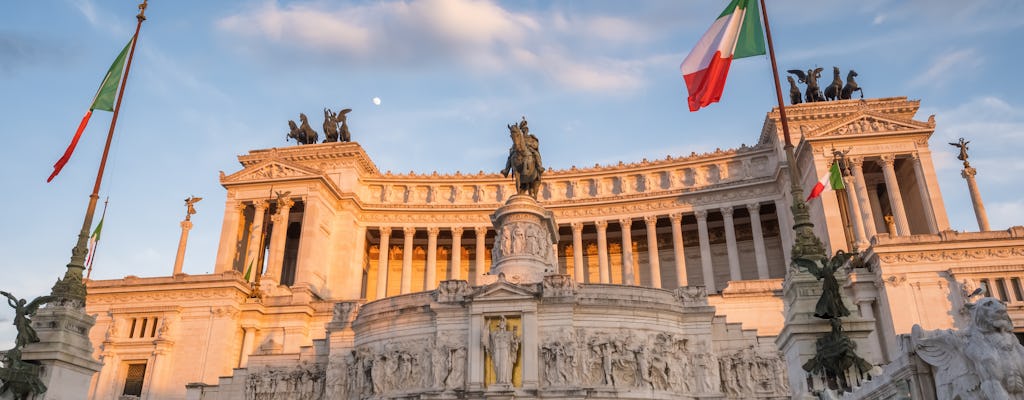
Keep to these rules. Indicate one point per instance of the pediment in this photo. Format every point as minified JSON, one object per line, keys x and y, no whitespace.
{"x":271,"y":170}
{"x":504,"y":290}
{"x":866,"y":123}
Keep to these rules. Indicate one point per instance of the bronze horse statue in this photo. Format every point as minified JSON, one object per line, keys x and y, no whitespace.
{"x":330,"y":127}
{"x":851,"y":86}
{"x":833,"y":90}
{"x":303,"y":134}
{"x":813,"y":92}
{"x":524,"y":160}
{"x":794,"y":92}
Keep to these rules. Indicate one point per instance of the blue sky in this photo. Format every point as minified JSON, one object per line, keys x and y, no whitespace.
{"x":598,"y":80}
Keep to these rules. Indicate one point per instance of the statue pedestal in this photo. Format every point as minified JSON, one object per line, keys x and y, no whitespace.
{"x":64,"y":351}
{"x":524,"y":242}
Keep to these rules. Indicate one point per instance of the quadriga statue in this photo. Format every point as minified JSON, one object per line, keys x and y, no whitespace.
{"x":985,"y":361}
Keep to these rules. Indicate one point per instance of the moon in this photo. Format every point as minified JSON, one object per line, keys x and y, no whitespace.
{"x":376,"y":101}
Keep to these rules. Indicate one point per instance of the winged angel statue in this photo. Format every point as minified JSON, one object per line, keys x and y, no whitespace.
{"x":985,"y":361}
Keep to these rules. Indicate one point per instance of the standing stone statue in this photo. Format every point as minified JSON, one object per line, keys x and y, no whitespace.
{"x":22,"y":312}
{"x":524,"y":160}
{"x":190,"y":206}
{"x":503,"y":346}
{"x":962,"y":145}
{"x":813,"y":92}
{"x":336,"y":126}
{"x":830,"y":304}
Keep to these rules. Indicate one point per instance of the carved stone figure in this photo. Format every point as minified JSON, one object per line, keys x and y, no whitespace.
{"x":457,"y":378}
{"x":503,"y":346}
{"x":962,"y":145}
{"x":985,"y":362}
{"x":22,"y":312}
{"x":832,"y":92}
{"x":830,"y":304}
{"x":851,"y":86}
{"x":190,"y":206}
{"x":524,"y":161}
{"x":794,"y":92}
{"x":813,"y":92}
{"x":835,"y":354}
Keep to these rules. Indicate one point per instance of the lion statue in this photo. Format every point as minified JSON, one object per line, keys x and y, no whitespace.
{"x":983,"y":362}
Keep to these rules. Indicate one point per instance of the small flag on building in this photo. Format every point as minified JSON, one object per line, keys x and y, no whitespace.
{"x":248,"y":271}
{"x":104,"y":100}
{"x":833,"y":180}
{"x":735,"y":34}
{"x":94,"y":239}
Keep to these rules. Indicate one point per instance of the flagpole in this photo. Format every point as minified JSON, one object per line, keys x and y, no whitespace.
{"x":806,"y":243}
{"x":71,"y":288}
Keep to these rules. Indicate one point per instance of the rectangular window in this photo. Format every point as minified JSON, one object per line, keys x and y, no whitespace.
{"x":131,"y":333}
{"x":133,"y":380}
{"x":153,"y":332}
{"x":1018,"y":293}
{"x":142,"y":332}
{"x":1001,"y":287}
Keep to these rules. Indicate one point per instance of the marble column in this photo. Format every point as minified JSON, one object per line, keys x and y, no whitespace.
{"x":179,"y":259}
{"x":382,"y":262}
{"x":579,"y":271}
{"x":481,"y":252}
{"x":229,"y":236}
{"x":859,"y":239}
{"x":705,"y":251}
{"x":895,"y":197}
{"x":431,"y":267}
{"x":602,"y":251}
{"x":760,"y":254}
{"x":926,"y":198}
{"x":406,"y":285}
{"x":628,"y":277}
{"x":277,"y":238}
{"x":979,"y":208}
{"x":255,"y":236}
{"x":653,"y":258}
{"x":730,"y":244}
{"x":456,"y":268}
{"x":860,"y":187}
{"x":677,"y":248}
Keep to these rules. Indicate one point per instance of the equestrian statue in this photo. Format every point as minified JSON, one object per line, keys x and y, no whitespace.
{"x":524,"y":162}
{"x":813,"y":92}
{"x":303,"y":134}
{"x":833,"y":90}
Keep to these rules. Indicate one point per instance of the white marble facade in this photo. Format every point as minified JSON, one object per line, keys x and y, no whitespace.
{"x":668,"y":277}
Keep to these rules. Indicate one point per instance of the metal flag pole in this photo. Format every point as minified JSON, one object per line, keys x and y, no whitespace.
{"x":71,"y":289}
{"x":806,"y":243}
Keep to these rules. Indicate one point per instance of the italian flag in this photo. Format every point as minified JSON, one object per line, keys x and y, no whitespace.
{"x":833,"y":180}
{"x":103,"y":100}
{"x":735,"y":34}
{"x":94,"y":240}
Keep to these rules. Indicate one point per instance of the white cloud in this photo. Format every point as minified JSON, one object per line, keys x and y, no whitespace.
{"x":479,"y":35}
{"x":940,"y":71}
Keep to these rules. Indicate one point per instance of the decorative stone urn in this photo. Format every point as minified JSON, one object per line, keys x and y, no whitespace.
{"x":524,"y":241}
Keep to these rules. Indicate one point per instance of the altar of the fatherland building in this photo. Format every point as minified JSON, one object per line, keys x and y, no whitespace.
{"x":658,"y":278}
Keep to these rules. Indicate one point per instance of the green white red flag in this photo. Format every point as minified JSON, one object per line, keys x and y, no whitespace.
{"x":735,"y":34}
{"x":94,"y":240}
{"x":104,"y":100}
{"x":833,"y":180}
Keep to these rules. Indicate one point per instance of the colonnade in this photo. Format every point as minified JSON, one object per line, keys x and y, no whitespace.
{"x":863,"y":200}
{"x":597,"y":231}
